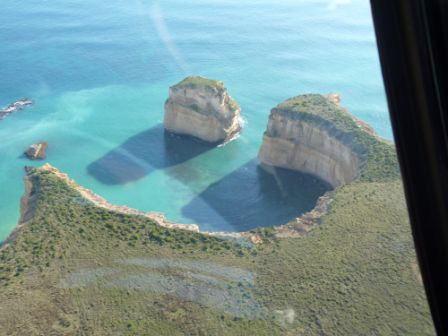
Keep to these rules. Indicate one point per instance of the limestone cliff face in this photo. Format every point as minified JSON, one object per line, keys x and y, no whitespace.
{"x":202,"y":108}
{"x":304,"y":135}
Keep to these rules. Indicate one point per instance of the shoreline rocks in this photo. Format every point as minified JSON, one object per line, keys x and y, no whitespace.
{"x":15,"y":107}
{"x":99,"y":201}
{"x":27,"y":212}
{"x":202,"y":108}
{"x":158,"y":217}
{"x":37,"y":151}
{"x":311,"y":133}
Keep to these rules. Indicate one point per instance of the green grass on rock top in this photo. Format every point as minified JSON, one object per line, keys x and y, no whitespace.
{"x":199,"y":81}
{"x":379,"y":156}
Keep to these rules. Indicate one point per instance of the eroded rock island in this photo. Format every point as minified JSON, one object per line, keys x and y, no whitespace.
{"x":37,"y":151}
{"x":202,"y":108}
{"x":311,"y":133}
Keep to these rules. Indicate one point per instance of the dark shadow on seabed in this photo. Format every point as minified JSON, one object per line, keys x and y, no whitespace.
{"x":147,"y":151}
{"x":252,"y":197}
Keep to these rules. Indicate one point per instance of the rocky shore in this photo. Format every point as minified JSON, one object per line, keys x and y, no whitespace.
{"x":296,"y":228}
{"x":99,"y":201}
{"x":27,"y":210}
{"x":202,"y":108}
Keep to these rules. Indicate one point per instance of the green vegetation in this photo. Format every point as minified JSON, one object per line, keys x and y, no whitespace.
{"x":198,"y":80}
{"x":380,"y":157}
{"x":317,"y":108}
{"x":75,"y":269}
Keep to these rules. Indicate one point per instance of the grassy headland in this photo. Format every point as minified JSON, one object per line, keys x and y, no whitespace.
{"x":76,"y":269}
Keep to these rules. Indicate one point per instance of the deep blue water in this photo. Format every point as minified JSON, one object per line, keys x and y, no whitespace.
{"x":99,"y":73}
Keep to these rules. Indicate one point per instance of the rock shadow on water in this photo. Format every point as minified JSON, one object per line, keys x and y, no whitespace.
{"x":253,"y":196}
{"x":147,"y":151}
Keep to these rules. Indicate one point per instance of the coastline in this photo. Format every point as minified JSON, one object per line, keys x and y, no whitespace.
{"x":101,"y":202}
{"x":307,"y":220}
{"x":27,"y":208}
{"x":297,"y":227}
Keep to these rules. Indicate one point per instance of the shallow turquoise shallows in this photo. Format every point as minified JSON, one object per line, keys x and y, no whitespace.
{"x":99,"y":73}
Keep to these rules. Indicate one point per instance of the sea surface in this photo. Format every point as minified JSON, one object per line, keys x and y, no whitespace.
{"x":99,"y":73}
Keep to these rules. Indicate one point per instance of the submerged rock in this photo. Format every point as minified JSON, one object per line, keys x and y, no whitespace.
{"x":15,"y":107}
{"x":37,"y":151}
{"x":313,"y":134}
{"x":202,"y":108}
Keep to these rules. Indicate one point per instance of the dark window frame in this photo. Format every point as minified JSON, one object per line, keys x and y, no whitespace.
{"x":412,"y":37}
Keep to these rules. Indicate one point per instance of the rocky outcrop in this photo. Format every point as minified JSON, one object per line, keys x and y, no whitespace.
{"x":15,"y":107}
{"x":302,"y":225}
{"x":28,"y":205}
{"x":202,"y":108}
{"x":313,"y":134}
{"x":37,"y":151}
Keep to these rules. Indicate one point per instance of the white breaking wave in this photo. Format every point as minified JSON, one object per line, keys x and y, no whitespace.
{"x":242,"y":123}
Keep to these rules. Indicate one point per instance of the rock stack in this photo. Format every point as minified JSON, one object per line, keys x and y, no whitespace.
{"x":202,"y":108}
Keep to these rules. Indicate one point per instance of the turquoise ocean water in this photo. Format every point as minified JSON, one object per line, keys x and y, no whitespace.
{"x":99,"y":73}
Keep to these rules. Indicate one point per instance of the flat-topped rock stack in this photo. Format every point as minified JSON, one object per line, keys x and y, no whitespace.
{"x":311,"y":133}
{"x":202,"y":108}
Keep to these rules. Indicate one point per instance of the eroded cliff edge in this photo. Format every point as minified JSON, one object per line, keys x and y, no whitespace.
{"x":311,"y":133}
{"x":202,"y":108}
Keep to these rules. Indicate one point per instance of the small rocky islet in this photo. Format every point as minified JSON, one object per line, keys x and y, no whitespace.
{"x":37,"y":151}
